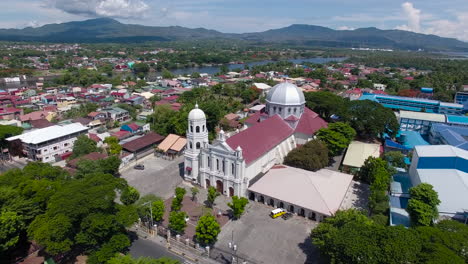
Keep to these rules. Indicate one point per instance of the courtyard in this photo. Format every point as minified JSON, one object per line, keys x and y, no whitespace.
{"x":160,"y":176}
{"x":261,"y":239}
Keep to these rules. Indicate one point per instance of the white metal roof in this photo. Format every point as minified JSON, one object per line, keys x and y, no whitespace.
{"x":441,"y":151}
{"x":321,"y":191}
{"x":262,"y":86}
{"x":423,"y":116}
{"x":452,"y":187}
{"x":49,"y":133}
{"x":358,"y":152}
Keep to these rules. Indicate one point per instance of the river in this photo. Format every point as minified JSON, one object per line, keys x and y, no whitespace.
{"x":215,"y":69}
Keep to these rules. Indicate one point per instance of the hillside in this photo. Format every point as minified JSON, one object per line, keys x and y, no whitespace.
{"x":110,"y":30}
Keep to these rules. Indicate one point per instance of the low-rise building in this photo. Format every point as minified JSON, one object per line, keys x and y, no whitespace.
{"x":357,"y":154}
{"x":47,"y":144}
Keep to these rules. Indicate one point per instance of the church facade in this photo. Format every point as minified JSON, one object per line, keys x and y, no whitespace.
{"x":229,"y":164}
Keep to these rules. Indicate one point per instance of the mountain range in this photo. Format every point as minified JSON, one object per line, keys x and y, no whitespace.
{"x":103,"y":30}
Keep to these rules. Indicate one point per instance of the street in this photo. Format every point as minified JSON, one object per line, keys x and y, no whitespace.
{"x":147,"y":248}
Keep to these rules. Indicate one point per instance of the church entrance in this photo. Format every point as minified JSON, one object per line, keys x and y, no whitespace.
{"x":207,"y":182}
{"x":220,"y":187}
{"x":231,"y":192}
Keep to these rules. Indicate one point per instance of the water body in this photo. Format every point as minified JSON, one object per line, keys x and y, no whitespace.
{"x":215,"y":69}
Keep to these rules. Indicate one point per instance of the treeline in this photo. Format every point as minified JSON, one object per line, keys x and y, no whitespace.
{"x":350,"y":237}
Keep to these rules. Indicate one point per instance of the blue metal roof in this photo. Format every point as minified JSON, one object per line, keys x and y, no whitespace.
{"x":412,"y":139}
{"x":457,"y":119}
{"x":393,"y":144}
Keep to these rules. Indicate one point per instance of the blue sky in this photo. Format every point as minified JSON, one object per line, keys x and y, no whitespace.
{"x":445,"y":18}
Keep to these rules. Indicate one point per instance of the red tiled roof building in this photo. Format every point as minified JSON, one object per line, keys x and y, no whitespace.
{"x":229,"y":164}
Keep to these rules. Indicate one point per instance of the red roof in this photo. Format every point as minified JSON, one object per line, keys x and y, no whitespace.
{"x":133,"y":126}
{"x":120,"y":134}
{"x":259,"y":139}
{"x":291,"y":118}
{"x":94,"y":137}
{"x":253,"y":119}
{"x":149,"y":139}
{"x":41,"y":123}
{"x":310,"y":122}
{"x":91,"y":156}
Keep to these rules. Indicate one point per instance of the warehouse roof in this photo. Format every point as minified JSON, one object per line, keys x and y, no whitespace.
{"x":49,"y":133}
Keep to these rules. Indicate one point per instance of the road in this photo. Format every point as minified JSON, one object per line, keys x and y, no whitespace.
{"x":147,"y":248}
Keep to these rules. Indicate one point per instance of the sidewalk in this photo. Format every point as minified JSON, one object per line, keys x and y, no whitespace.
{"x":190,"y":257}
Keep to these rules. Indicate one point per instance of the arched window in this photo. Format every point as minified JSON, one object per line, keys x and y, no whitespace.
{"x":232,"y":169}
{"x":289,"y":110}
{"x":191,"y":146}
{"x":279,"y":109}
{"x":295,"y":109}
{"x":222,"y":163}
{"x":274,"y":109}
{"x":203,"y":128}
{"x":198,"y":145}
{"x":209,"y":162}
{"x":197,"y":129}
{"x":191,"y":128}
{"x":217,"y":164}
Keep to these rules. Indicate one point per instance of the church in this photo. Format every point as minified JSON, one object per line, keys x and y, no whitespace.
{"x":230,"y":164}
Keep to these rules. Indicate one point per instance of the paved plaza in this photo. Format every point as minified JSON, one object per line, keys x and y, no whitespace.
{"x":160,"y":176}
{"x":262,"y":239}
{"x":356,"y":197}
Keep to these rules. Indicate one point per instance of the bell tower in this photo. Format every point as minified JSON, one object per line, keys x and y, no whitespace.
{"x":197,"y":138}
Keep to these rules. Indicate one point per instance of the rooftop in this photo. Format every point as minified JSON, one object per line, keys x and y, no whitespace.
{"x":321,"y":191}
{"x":422,"y":116}
{"x":49,"y":133}
{"x":257,"y":140}
{"x":358,"y":152}
{"x":142,"y":142}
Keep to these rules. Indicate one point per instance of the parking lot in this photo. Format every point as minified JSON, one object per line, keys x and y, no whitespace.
{"x":262,"y":239}
{"x":160,"y":176}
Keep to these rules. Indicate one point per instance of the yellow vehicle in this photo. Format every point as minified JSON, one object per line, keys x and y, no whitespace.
{"x":277,"y":212}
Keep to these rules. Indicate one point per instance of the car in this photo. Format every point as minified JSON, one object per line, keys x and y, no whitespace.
{"x":287,"y":215}
{"x":139,"y":167}
{"x":277,"y":213}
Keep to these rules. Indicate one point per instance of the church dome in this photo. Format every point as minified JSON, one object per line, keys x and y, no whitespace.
{"x":285,"y":94}
{"x":196,"y":114}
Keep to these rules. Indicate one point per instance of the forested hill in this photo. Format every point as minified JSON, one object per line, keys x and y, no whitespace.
{"x":110,"y":30}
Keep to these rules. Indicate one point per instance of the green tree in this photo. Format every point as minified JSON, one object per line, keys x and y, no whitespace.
{"x":129,"y":196}
{"x":8,"y":131}
{"x":335,"y":141}
{"x":114,"y":147}
{"x":370,"y":119}
{"x":327,"y":104}
{"x":158,"y":210}
{"x":82,"y":146}
{"x":116,"y":244}
{"x":167,"y":74}
{"x":179,"y":197}
{"x":343,"y":128}
{"x":54,"y":233}
{"x":194,"y":191}
{"x":11,"y":226}
{"x":311,"y":156}
{"x":422,"y":206}
{"x":395,"y":158}
{"x":212,"y":194}
{"x":368,"y":170}
{"x":207,"y":230}
{"x":177,"y":221}
{"x":238,"y":206}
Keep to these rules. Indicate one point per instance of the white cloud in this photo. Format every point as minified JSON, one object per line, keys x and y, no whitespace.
{"x":413,"y":15}
{"x":345,"y":28}
{"x":101,"y":8}
{"x":450,"y":28}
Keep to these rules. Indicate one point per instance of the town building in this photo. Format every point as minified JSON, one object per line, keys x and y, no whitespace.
{"x":315,"y":195}
{"x":414,"y":104}
{"x":231,"y":163}
{"x":50,"y":143}
{"x":357,"y":154}
{"x":446,"y":168}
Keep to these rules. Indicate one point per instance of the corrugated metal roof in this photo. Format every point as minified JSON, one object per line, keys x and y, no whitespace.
{"x":423,"y":116}
{"x":49,"y":133}
{"x":358,"y":152}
